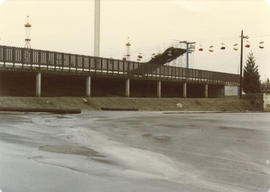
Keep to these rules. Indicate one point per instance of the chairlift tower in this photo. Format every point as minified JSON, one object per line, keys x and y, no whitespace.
{"x":28,"y":27}
{"x":188,"y":51}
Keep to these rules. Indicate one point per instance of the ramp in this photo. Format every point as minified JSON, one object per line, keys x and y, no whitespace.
{"x":167,"y":56}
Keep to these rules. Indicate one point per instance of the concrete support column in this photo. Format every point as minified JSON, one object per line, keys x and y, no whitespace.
{"x":127,"y":88}
{"x":38,"y":84}
{"x":159,"y":88}
{"x":206,"y":91}
{"x":88,"y":86}
{"x":185,"y":90}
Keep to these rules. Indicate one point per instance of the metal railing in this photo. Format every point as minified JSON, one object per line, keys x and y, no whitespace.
{"x":40,"y":60}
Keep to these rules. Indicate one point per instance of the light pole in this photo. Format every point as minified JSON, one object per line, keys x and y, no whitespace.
{"x":241,"y":61}
{"x":187,"y":51}
{"x":97,"y":29}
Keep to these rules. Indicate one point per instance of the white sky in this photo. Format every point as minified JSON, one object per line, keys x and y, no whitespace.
{"x":152,"y":25}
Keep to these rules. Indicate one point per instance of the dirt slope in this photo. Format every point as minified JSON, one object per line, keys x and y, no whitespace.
{"x":230,"y":104}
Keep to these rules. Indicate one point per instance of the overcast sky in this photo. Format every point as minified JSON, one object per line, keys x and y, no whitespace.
{"x":152,"y":25}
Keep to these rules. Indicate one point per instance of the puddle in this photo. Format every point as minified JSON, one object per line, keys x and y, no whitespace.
{"x":69,"y":149}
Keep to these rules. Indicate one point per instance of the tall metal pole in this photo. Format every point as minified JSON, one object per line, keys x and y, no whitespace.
{"x":241,"y":63}
{"x":97,"y":29}
{"x":187,"y":52}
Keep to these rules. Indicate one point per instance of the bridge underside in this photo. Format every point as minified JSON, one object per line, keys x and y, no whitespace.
{"x":53,"y":85}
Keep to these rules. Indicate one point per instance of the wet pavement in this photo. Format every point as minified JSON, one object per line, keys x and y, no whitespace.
{"x":135,"y":151}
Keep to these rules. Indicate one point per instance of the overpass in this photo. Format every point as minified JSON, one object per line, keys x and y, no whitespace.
{"x":29,"y":72}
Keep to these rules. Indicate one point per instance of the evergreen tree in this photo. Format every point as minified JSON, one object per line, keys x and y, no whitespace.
{"x":251,"y":81}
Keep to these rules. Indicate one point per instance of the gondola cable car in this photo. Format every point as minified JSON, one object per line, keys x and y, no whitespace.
{"x":211,"y":48}
{"x":261,"y":45}
{"x":247,"y":44}
{"x":200,"y":48}
{"x":140,"y":57}
{"x":235,"y":47}
{"x":223,"y":47}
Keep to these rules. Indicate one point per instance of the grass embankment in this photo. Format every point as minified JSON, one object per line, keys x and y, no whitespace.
{"x":230,"y":104}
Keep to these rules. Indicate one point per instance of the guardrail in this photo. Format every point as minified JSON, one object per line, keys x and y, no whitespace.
{"x":33,"y":59}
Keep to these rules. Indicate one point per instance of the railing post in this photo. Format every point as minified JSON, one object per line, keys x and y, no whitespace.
{"x":175,"y":73}
{"x":4,"y":55}
{"x":55,"y":61}
{"x":95,"y":61}
{"x":89,"y":64}
{"x":76,"y":63}
{"x":23,"y":57}
{"x":39,"y":59}
{"x":145,"y":70}
{"x":31,"y":58}
{"x":13,"y":56}
{"x":47,"y":60}
{"x":151,"y":70}
{"x":138,"y":69}
{"x":133,"y":68}
{"x":101,"y":65}
{"x":118,"y":67}
{"x":186,"y":74}
{"x":63,"y":61}
{"x":108,"y":61}
{"x":163,"y":72}
{"x":83,"y":62}
{"x":69,"y":62}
